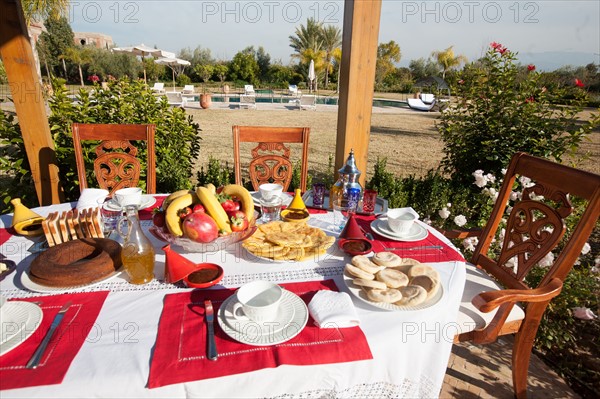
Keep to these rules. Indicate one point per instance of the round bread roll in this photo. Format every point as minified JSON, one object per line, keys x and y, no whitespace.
{"x":390,"y":295}
{"x":360,"y":273}
{"x":392,"y":278}
{"x":412,"y":295}
{"x":409,"y":262}
{"x":423,"y":270}
{"x":362,"y":262}
{"x":387,"y":259}
{"x":430,"y":284}
{"x":369,"y":283}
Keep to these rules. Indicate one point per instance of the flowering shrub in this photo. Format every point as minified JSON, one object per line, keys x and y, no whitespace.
{"x":93,"y":78}
{"x":502,"y":109}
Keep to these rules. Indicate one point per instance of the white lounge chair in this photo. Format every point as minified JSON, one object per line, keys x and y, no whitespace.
{"x":175,"y":99}
{"x":158,"y":88}
{"x":427,"y":98}
{"x":308,"y":102}
{"x":188,"y":89}
{"x":417,"y":104}
{"x":292,"y":90}
{"x":249,"y":90}
{"x":247,"y":101}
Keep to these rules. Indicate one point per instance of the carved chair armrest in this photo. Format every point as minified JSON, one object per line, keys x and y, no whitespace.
{"x":455,"y":233}
{"x":490,"y":300}
{"x":505,"y":300}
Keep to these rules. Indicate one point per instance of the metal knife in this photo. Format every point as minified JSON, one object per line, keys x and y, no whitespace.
{"x":414,"y":248}
{"x":37,"y":355}
{"x":212,"y":346}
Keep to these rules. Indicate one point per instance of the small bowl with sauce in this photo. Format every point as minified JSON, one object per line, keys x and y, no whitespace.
{"x":295,"y":215}
{"x":207,"y":275}
{"x":355,"y":246}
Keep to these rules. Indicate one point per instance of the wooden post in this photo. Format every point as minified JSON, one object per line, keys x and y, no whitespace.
{"x":357,"y":79}
{"x":26,"y":91}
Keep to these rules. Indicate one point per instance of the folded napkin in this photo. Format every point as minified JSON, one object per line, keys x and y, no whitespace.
{"x":90,"y":196}
{"x":332,"y":309}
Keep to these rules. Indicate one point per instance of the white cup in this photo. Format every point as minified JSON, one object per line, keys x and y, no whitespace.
{"x":270,"y":191}
{"x":400,"y":221}
{"x":128,"y":196}
{"x":258,"y":301}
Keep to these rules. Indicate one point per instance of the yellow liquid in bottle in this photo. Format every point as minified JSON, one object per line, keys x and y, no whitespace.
{"x":139,"y":266}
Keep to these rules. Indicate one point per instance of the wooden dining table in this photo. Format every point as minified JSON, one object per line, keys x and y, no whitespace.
{"x":125,"y":340}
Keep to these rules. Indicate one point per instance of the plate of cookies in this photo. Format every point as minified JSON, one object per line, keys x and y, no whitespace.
{"x":284,"y":241}
{"x":390,"y":282}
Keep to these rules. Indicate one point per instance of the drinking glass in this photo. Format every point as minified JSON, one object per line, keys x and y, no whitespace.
{"x":270,"y":209}
{"x":109,"y":216}
{"x":342,"y":207}
{"x":369,"y":200}
{"x":318,"y":194}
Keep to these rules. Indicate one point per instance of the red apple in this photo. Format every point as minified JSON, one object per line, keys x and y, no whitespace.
{"x":200,"y":227}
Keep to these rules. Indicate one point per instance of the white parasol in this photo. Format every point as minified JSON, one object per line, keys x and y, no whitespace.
{"x":311,"y":74}
{"x":142,"y":50}
{"x":176,"y":64}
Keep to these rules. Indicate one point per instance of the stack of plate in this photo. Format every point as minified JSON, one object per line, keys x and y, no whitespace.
{"x":381,"y":227}
{"x":289,"y":322}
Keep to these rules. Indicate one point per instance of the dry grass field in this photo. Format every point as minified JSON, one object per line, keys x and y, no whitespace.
{"x":408,"y":139}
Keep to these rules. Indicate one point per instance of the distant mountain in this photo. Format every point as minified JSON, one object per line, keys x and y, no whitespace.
{"x":552,"y":60}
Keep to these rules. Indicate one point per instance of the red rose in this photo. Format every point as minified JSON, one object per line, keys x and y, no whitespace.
{"x":531,"y":67}
{"x":578,"y":83}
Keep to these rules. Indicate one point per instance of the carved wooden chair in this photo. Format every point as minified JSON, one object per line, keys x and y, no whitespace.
{"x":534,"y":227}
{"x":116,"y":164}
{"x":271,"y":157}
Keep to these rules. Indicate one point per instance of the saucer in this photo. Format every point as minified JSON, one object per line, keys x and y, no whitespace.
{"x":147,"y":200}
{"x":285,"y":314}
{"x":416,"y":232}
{"x":25,"y":317}
{"x":254,"y":335}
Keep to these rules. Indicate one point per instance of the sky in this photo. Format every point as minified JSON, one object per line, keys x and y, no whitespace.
{"x":554,"y":32}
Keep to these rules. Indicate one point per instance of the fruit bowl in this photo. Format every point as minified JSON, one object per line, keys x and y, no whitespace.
{"x":218,"y":244}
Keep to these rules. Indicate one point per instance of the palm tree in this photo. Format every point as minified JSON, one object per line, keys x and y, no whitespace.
{"x":79,"y":56}
{"x":447,"y":60}
{"x":42,"y":9}
{"x":332,"y":38}
{"x":307,"y":37}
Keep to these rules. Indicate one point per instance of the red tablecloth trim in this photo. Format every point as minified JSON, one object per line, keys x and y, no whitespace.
{"x":180,"y":350}
{"x":446,"y":254}
{"x":63,"y":346}
{"x":5,"y":234}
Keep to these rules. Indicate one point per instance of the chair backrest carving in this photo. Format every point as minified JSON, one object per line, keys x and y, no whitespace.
{"x":270,"y":161}
{"x":537,"y":223}
{"x":116,"y":164}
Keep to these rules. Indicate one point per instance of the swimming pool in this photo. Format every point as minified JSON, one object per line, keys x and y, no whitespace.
{"x":377,"y":102}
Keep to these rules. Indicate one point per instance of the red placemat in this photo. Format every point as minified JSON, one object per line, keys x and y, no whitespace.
{"x":5,"y":234}
{"x":180,"y":350}
{"x":425,"y":255}
{"x":64,"y":345}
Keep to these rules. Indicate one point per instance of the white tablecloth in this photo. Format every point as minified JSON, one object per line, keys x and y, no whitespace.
{"x":410,"y":348}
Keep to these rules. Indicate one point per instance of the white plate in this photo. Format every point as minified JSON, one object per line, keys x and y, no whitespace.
{"x":286,"y":198}
{"x":19,"y":321}
{"x":285,"y":314}
{"x":147,"y":201}
{"x":33,"y":286}
{"x":416,"y":233}
{"x":360,"y":294}
{"x":254,"y":336}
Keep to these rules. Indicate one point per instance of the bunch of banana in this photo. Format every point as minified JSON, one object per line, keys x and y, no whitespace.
{"x":247,"y":206}
{"x":214,"y":208}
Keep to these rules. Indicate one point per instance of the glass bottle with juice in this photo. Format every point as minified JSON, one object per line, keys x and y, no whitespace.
{"x":137,"y":253}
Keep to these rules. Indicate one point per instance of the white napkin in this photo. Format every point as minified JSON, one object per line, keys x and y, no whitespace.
{"x":90,"y":196}
{"x":332,"y":309}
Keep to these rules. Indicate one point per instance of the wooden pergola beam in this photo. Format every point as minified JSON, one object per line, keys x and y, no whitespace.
{"x":357,"y":79}
{"x":26,"y":91}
